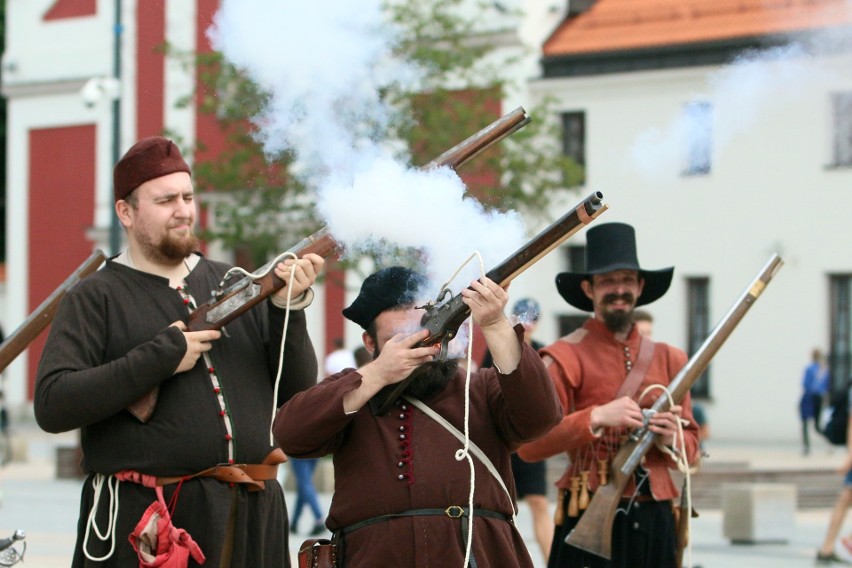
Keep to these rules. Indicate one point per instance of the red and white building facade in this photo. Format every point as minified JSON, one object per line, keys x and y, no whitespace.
{"x":61,"y":81}
{"x":616,"y":69}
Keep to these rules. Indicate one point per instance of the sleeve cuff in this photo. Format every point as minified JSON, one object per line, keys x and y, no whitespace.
{"x":300,"y":302}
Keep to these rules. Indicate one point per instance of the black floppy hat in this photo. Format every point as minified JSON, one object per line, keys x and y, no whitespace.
{"x":388,"y":288}
{"x":610,"y":247}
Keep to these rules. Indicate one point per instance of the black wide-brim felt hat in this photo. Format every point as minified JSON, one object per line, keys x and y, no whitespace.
{"x":611,"y":247}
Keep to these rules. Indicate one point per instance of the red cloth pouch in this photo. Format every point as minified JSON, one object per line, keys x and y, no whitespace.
{"x":157,"y":542}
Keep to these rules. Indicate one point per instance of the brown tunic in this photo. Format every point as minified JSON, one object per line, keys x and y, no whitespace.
{"x":588,"y":368}
{"x":405,"y":460}
{"x":109,"y":344}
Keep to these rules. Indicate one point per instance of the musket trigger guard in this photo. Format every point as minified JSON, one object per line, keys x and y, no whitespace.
{"x":445,"y":341}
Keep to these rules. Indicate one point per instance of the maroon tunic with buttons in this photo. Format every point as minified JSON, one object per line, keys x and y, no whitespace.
{"x":405,"y":460}
{"x":109,"y":344}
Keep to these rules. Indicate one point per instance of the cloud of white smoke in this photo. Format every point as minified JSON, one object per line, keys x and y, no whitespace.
{"x":739,"y":95}
{"x":324,"y":65}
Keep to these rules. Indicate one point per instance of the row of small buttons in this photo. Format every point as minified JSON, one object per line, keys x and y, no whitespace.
{"x":405,"y":456}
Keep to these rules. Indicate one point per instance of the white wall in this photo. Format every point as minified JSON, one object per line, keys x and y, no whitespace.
{"x":769,"y":191}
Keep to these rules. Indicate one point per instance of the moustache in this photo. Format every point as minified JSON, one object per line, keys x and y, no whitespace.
{"x":611,"y":298}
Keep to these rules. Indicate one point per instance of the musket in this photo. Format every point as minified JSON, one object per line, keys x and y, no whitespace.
{"x":593,"y":532}
{"x":231,"y":301}
{"x":443,"y":316}
{"x":43,"y":314}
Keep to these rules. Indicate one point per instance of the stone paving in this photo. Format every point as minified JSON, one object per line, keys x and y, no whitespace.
{"x":34,"y":499}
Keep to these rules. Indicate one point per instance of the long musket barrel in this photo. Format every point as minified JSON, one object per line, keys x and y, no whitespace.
{"x":239,"y":297}
{"x":245,"y":293}
{"x":43,"y":314}
{"x":593,"y":532}
{"x":443,"y":320}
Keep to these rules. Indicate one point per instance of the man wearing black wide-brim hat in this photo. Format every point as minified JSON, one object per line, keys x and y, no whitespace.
{"x":601,"y":372}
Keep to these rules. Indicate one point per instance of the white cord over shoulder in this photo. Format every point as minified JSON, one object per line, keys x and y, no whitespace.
{"x":283,"y":343}
{"x":263,"y":271}
{"x":464,"y":452}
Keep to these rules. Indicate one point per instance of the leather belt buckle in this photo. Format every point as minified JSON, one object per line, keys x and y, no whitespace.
{"x":454,"y":511}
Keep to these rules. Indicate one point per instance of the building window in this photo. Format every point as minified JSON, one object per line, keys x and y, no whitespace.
{"x":698,"y":327}
{"x":842,"y":120}
{"x":698,"y":138}
{"x":840,"y":356}
{"x":574,"y":138}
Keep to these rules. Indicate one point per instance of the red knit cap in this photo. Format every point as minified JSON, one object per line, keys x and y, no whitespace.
{"x":147,"y":159}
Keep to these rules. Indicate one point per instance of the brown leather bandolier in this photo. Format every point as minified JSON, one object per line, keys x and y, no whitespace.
{"x":628,"y":387}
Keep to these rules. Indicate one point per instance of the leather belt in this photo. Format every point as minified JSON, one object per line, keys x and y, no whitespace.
{"x":453,"y":511}
{"x":253,"y":475}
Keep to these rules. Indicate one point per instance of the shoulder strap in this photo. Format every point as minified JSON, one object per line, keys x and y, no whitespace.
{"x":474,"y":449}
{"x":637,"y":373}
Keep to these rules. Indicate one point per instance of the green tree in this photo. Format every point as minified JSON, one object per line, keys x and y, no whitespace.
{"x":260,"y":209}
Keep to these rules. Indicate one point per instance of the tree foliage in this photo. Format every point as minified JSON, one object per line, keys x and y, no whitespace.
{"x":261,"y":209}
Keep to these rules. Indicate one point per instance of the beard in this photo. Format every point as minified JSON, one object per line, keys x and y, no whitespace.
{"x":431,"y":378}
{"x":618,"y":320}
{"x":170,"y":250}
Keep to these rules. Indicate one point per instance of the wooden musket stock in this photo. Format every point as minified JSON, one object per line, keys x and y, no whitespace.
{"x":444,"y":319}
{"x":246,"y":293}
{"x":237,"y":298}
{"x":593,"y":532}
{"x":43,"y":314}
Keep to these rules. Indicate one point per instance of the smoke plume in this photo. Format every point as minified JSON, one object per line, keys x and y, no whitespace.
{"x":739,"y":95}
{"x":324,"y":65}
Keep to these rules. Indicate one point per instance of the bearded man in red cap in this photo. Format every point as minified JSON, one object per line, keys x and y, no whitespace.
{"x":401,"y":496}
{"x":600,"y":372}
{"x":164,"y":471}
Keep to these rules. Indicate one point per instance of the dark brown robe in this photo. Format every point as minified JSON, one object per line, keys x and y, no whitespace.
{"x":405,"y":460}
{"x":110,"y":343}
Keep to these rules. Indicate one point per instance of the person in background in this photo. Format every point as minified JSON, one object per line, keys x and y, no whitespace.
{"x":815,"y":384}
{"x":826,"y":554}
{"x":531,"y":477}
{"x":644,"y":322}
{"x":306,"y":495}
{"x":5,"y":442}
{"x":175,"y":424}
{"x":340,"y":358}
